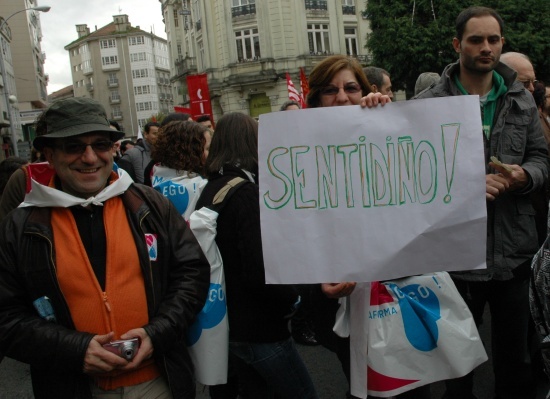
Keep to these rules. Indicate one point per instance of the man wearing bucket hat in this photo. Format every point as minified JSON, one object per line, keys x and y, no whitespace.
{"x":88,"y":259}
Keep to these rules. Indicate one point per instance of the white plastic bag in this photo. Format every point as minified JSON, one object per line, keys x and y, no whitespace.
{"x":208,"y":337}
{"x":410,"y":332}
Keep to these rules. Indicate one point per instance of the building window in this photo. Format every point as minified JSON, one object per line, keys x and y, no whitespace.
{"x":243,"y":7}
{"x":109,"y":60}
{"x":248,"y":45}
{"x":178,"y":46}
{"x":145,"y":106}
{"x":134,"y":57}
{"x":86,"y":66}
{"x":108,"y":43}
{"x":317,"y":35}
{"x":112,"y":79}
{"x":136,"y":40}
{"x":200,"y":45}
{"x":316,"y":5}
{"x":116,"y":112}
{"x":142,"y":90}
{"x":350,"y":36}
{"x":140,"y":73}
{"x":197,"y":12}
{"x":176,"y":19}
{"x":348,"y":7}
{"x":115,"y":96}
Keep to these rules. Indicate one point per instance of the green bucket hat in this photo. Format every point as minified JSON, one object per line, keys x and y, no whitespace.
{"x":74,"y":117}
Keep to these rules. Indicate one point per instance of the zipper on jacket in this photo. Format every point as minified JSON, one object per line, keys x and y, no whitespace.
{"x":106,"y":302}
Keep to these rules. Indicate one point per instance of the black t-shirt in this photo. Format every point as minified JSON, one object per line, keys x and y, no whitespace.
{"x":92,"y":233}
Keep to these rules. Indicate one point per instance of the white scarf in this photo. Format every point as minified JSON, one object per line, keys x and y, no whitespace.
{"x":44,"y":196}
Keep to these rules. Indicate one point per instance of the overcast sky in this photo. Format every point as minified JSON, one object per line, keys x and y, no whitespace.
{"x":58,"y":28}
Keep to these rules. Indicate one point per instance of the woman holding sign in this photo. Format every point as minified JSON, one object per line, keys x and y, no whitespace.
{"x":340,"y":81}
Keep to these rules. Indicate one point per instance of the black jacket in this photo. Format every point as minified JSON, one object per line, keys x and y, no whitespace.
{"x":256,"y":311}
{"x":176,"y":287}
{"x":516,"y":138}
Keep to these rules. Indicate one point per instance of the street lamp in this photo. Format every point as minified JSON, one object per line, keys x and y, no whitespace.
{"x":5,"y":80}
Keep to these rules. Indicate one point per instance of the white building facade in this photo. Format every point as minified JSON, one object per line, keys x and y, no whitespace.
{"x":246,"y":46}
{"x":126,"y":69}
{"x":9,"y":110}
{"x":26,"y":64}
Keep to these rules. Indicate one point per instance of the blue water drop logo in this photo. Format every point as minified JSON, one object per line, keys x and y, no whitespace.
{"x":176,"y":193}
{"x":211,"y":315}
{"x":420,"y":310}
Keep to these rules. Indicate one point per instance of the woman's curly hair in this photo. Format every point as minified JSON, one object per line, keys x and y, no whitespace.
{"x":180,"y":146}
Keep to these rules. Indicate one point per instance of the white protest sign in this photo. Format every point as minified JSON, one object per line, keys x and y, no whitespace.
{"x":352,"y":194}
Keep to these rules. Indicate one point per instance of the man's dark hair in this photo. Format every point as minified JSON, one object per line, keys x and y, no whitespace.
{"x":475,"y":12}
{"x":375,"y":75}
{"x":539,"y":94}
{"x":115,"y":124}
{"x":148,"y":126}
{"x":174,"y":116}
{"x":203,"y":118}
{"x":288,"y":103}
{"x":124,"y":145}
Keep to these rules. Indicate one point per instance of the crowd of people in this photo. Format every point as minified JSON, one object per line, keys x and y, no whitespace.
{"x":96,"y":252}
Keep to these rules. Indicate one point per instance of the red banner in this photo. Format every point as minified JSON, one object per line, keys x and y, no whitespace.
{"x":304,"y":86}
{"x":182,"y":110}
{"x":197,"y":86}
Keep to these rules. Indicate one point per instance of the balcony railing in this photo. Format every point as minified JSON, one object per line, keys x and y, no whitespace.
{"x":117,"y":116}
{"x":185,"y":65}
{"x":114,"y":99}
{"x":363,"y":59}
{"x":243,"y":10}
{"x":348,"y":10}
{"x":316,"y":5}
{"x":90,"y":86}
{"x":112,"y":82}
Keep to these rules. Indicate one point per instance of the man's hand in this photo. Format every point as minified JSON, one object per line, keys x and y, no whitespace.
{"x":145,"y":349}
{"x":99,"y":360}
{"x":506,"y":180}
{"x":337,"y":290}
{"x":373,"y":99}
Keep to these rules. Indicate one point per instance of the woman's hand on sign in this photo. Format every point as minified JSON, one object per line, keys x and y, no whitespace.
{"x":337,"y":290}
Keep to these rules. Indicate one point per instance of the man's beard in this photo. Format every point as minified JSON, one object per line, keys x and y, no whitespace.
{"x":473,"y":65}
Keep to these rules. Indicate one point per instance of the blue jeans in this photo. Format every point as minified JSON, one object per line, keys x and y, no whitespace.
{"x":271,"y":370}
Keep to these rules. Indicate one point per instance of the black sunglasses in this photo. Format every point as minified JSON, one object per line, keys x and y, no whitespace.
{"x":78,"y":147}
